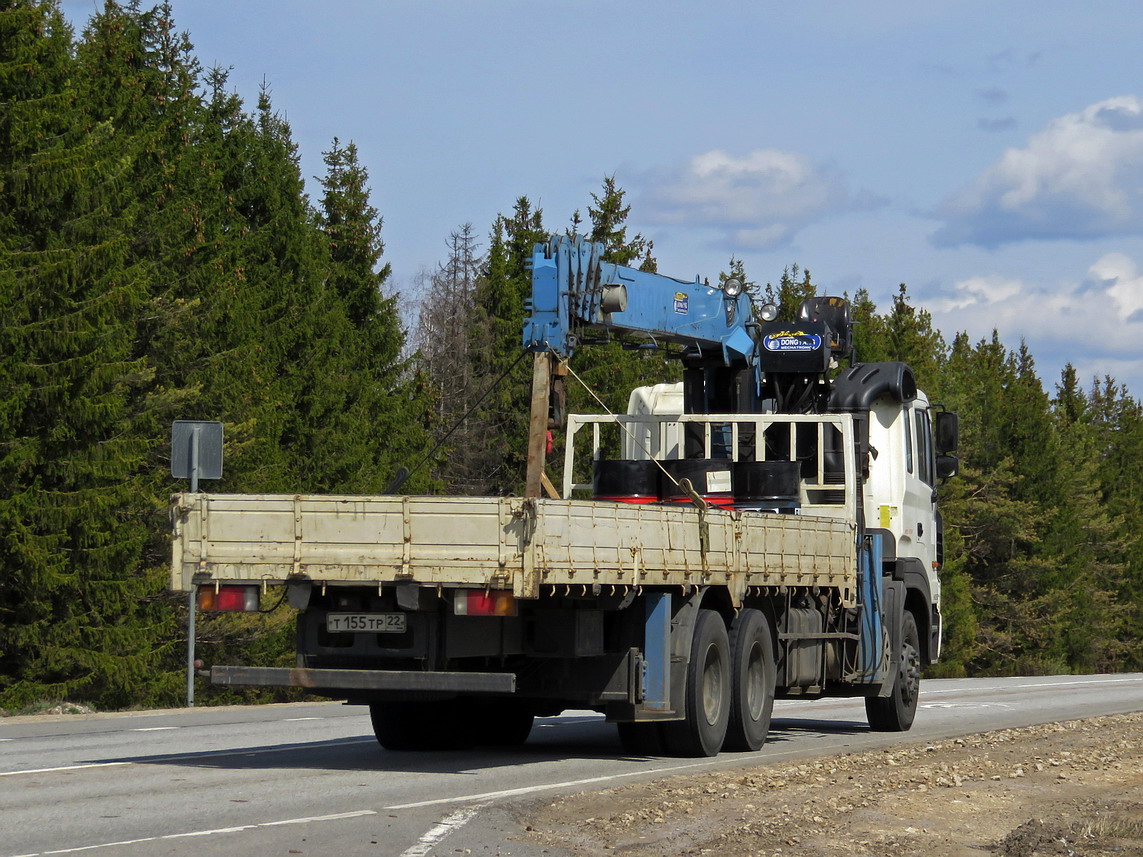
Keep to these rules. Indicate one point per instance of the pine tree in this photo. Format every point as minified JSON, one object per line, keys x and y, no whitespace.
{"x":76,"y":619}
{"x":609,"y":225}
{"x":868,"y":330}
{"x":790,"y":292}
{"x":611,"y":371}
{"x":908,"y":336}
{"x":498,"y":321}
{"x":369,"y":419}
{"x":1115,"y":420}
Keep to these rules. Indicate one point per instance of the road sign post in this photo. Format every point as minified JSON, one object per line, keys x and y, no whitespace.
{"x":196,"y":453}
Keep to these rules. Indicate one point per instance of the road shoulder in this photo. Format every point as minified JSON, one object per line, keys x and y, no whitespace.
{"x":1073,"y":788}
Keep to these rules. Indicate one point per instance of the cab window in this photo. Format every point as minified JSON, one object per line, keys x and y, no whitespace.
{"x":927,"y":466}
{"x":908,"y":440}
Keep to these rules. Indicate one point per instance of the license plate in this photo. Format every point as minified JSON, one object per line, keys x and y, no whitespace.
{"x":368,"y":623}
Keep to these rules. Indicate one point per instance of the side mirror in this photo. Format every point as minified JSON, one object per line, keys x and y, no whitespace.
{"x":947,"y":466}
{"x":947,"y":433}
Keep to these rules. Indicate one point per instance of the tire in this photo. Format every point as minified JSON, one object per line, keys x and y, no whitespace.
{"x":707,"y":692}
{"x":752,"y":678}
{"x":500,"y":724}
{"x":641,"y":739}
{"x":895,"y":712}
{"x":405,"y":726}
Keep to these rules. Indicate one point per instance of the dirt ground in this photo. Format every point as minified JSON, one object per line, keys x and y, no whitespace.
{"x":1061,"y":789}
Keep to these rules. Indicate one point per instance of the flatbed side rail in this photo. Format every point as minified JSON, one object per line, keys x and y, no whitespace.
{"x":816,"y":440}
{"x":503,"y":543}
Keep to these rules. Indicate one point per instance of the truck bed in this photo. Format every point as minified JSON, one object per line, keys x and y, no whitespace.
{"x":502,"y":543}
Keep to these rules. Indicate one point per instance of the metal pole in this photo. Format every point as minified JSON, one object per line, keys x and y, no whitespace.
{"x":190,"y":646}
{"x":196,"y":435}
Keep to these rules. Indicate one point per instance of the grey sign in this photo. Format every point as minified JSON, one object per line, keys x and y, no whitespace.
{"x":196,"y":450}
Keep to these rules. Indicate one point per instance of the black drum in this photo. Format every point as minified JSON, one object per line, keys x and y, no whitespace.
{"x":625,"y":480}
{"x":712,"y":479}
{"x":768,"y":486}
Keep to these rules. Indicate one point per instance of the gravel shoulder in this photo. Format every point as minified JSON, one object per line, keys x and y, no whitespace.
{"x":1072,"y":788}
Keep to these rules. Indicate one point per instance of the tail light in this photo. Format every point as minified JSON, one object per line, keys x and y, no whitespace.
{"x":484,"y":602}
{"x":230,"y":599}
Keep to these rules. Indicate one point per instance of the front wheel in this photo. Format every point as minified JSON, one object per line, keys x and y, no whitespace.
{"x":707,"y":692}
{"x":895,"y":712}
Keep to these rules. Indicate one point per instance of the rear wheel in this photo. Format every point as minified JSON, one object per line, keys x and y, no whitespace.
{"x":641,"y":739}
{"x":432,"y":725}
{"x":895,"y":712}
{"x":752,"y":677}
{"x":707,"y":692}
{"x":503,"y":723}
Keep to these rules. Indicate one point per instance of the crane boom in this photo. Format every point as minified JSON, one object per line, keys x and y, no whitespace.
{"x":574,"y":292}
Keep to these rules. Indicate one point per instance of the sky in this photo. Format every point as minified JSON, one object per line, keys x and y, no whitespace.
{"x":988,"y":155}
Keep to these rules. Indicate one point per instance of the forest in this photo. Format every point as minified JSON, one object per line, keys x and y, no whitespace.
{"x":160,"y":259}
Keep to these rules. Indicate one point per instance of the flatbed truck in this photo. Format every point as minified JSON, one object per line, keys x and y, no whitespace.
{"x":768,"y":529}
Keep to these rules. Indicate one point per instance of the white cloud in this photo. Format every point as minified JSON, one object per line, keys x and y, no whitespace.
{"x":978,"y":291}
{"x":1080,"y":177}
{"x":1124,"y":283}
{"x":758,"y":200}
{"x":1094,"y":323}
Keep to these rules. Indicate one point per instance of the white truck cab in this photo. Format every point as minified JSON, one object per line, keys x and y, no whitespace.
{"x":900,"y":497}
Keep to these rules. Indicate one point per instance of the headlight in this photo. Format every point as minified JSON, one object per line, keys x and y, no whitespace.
{"x":768,"y":312}
{"x":732,"y":287}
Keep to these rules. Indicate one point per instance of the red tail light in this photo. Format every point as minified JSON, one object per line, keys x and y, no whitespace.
{"x":481,"y":602}
{"x":235,"y":599}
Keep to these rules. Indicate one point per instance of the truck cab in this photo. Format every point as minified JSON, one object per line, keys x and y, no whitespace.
{"x":900,"y":504}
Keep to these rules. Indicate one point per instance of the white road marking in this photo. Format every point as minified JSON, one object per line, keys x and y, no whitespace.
{"x":307,"y":820}
{"x":63,"y":768}
{"x":725,"y":760}
{"x":489,"y":796}
{"x":202,"y":754}
{"x":1135,"y":680}
{"x":153,"y":728}
{"x":1002,"y":705}
{"x":438,"y":832}
{"x":300,"y":719}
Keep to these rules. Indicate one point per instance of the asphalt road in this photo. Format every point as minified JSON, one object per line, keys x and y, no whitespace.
{"x":309,"y":779}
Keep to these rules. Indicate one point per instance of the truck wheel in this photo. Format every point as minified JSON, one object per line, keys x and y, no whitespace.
{"x":500,"y":724}
{"x":641,"y":739}
{"x":895,"y":712}
{"x":707,"y":692}
{"x":403,"y":726}
{"x":752,"y":677}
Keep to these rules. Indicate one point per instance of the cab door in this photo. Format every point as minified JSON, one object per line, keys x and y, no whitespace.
{"x":918,"y":517}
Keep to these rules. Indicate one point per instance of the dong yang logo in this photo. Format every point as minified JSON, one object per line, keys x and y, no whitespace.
{"x":792,"y":340}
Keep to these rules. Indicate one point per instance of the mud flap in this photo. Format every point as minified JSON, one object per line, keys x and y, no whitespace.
{"x":686,"y":611}
{"x":893,"y":605}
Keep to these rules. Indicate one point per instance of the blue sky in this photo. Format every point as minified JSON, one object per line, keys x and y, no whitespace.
{"x":989,"y":155}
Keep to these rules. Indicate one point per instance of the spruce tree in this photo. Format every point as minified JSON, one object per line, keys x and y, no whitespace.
{"x":612,"y":370}
{"x":498,"y":323}
{"x":788,"y":295}
{"x":372,"y":418}
{"x":76,"y":615}
{"x":907,"y":335}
